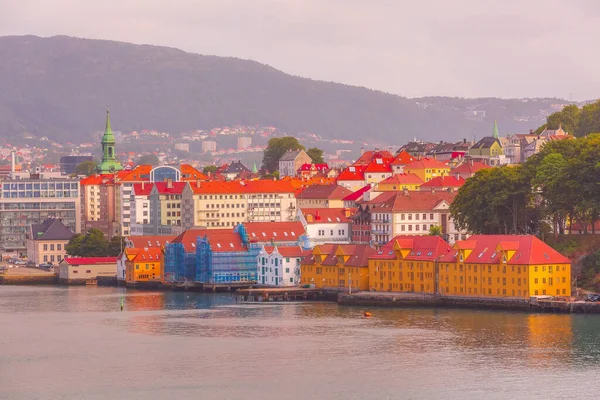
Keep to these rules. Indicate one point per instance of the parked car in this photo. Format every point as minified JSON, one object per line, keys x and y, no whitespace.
{"x":46,"y":265}
{"x":20,"y":262}
{"x":593,"y":297}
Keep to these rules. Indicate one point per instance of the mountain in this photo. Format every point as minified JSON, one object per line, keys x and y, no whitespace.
{"x":59,"y":87}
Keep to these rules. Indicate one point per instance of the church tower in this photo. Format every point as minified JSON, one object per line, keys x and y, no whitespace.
{"x":109,"y":162}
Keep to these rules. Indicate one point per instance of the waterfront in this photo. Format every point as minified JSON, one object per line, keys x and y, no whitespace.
{"x":74,"y":343}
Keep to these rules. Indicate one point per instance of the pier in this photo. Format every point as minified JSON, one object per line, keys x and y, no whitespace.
{"x":259,"y":295}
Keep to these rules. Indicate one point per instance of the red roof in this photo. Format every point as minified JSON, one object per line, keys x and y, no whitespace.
{"x":150,"y":241}
{"x":170,"y":188}
{"x":142,"y":189}
{"x":313,"y":167}
{"x":413,"y":202}
{"x":257,"y":186}
{"x":368,"y":156}
{"x":403,"y":179}
{"x":221,"y":240}
{"x":403,"y":158}
{"x":470,"y":167}
{"x":528,"y":250}
{"x":103,"y":179}
{"x":444,"y":181}
{"x":323,"y":192}
{"x":352,"y":173}
{"x":426,"y":163}
{"x":358,"y":194}
{"x":376,"y":167}
{"x":90,"y":260}
{"x":326,"y":215}
{"x":421,"y":248}
{"x":146,"y":254}
{"x":286,"y":251}
{"x":276,"y":231}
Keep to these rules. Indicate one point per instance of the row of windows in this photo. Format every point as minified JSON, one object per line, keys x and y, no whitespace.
{"x":404,"y":228}
{"x":58,"y":247}
{"x":226,"y":205}
{"x":52,"y":258}
{"x":173,"y":205}
{"x":340,"y":232}
{"x":416,"y":216}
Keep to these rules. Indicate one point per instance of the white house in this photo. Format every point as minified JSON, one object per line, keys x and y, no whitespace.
{"x":291,"y":161}
{"x":279,"y":266}
{"x":326,"y":225}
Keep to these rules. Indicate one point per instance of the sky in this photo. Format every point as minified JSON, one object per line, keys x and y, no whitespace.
{"x":462,"y":48}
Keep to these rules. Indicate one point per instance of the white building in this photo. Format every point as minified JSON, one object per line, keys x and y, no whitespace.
{"x":291,"y":161}
{"x":139,"y":206}
{"x":209,"y":146}
{"x":326,"y":225}
{"x":279,"y":266}
{"x":244,"y":142}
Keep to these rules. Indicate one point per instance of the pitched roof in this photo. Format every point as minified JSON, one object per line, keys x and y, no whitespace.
{"x":220,"y":240}
{"x":403,"y":179}
{"x":102,"y":179}
{"x":276,"y":231}
{"x":169,"y":187}
{"x":426,"y":248}
{"x":145,"y":254}
{"x":139,"y":173}
{"x":486,"y":142}
{"x":324,"y":192}
{"x":238,"y":187}
{"x":355,"y":196}
{"x":379,"y":167}
{"x":352,"y":173}
{"x":286,"y":251}
{"x":150,"y":241}
{"x":326,"y":215}
{"x":236,"y":167}
{"x":290,"y":155}
{"x":313,"y":167}
{"x":414,"y":201}
{"x":426,"y":163}
{"x":470,"y":167}
{"x":359,"y":255}
{"x":528,"y":250}
{"x":403,"y":158}
{"x":142,"y":189}
{"x":50,"y":229}
{"x":188,"y":239}
{"x":369,"y":156}
{"x":190,"y":173}
{"x":444,"y":181}
{"x":74,"y":261}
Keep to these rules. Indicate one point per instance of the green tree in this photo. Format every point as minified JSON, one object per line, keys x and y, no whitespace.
{"x":209,"y":169}
{"x":115,"y":246}
{"x":277,"y":148}
{"x":86,"y":168}
{"x":589,"y":122}
{"x":316,"y":155}
{"x":148,"y":159}
{"x":92,"y":244}
{"x":435,"y":230}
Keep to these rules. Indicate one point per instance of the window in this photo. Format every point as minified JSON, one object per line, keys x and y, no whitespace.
{"x":45,"y":247}
{"x":59,"y":247}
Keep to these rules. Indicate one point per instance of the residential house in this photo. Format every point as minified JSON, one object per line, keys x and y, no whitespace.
{"x":446,"y":152}
{"x":46,"y":242}
{"x":137,"y":243}
{"x":427,"y":168}
{"x":322,"y":196}
{"x":326,"y":225}
{"x":417,"y":148}
{"x":448,"y":183}
{"x":402,"y":158}
{"x":468,"y":168}
{"x":291,"y":161}
{"x":489,"y":150}
{"x":78,"y":271}
{"x":356,"y":197}
{"x":279,"y":266}
{"x":234,"y":170}
{"x":352,"y":177}
{"x":309,"y":170}
{"x":516,"y":144}
{"x":343,"y":267}
{"x":143,"y":264}
{"x":400,"y":182}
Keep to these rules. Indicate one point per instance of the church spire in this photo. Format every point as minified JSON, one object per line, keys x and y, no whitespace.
{"x":254,"y":169}
{"x":495,"y":130}
{"x":109,"y":162}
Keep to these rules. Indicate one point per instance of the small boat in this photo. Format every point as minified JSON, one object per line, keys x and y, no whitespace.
{"x":367,"y":314}
{"x":91,"y":282}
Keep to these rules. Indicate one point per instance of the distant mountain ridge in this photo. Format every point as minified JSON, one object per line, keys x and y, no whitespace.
{"x":60,"y":86}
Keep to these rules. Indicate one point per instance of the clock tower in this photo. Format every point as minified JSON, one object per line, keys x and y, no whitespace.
{"x":109,"y":164}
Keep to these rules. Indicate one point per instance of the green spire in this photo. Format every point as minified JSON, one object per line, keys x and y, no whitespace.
{"x":109,"y":162}
{"x":495,"y":130}
{"x":254,"y":169}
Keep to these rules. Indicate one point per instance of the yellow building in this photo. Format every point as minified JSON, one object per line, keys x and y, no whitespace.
{"x":143,"y":265}
{"x":339,"y":267}
{"x":504,"y":266}
{"x":407,"y":264}
{"x":400,"y":182}
{"x":427,"y":168}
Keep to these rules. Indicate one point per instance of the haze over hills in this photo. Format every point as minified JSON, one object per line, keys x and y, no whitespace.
{"x":59,"y":87}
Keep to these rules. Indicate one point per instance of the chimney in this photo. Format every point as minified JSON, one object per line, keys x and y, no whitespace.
{"x":531,"y":131}
{"x":362,"y":151}
{"x":464,"y":140}
{"x":405,"y":191}
{"x":143,"y":185}
{"x":12,"y":164}
{"x":198,"y":182}
{"x":170,"y":183}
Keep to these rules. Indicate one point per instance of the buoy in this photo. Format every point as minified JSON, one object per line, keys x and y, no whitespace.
{"x":367,"y":314}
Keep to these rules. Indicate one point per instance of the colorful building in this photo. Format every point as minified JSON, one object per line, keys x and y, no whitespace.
{"x":337,"y":266}
{"x":427,"y":168}
{"x":407,"y":264}
{"x":280,"y":265}
{"x":447,"y":183}
{"x":143,"y":264}
{"x":322,"y":196}
{"x":400,"y":182}
{"x":326,"y":225}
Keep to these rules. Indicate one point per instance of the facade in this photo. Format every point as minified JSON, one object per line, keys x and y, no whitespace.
{"x":504,"y":266}
{"x":322,"y":196}
{"x":342,"y":267}
{"x":402,"y":158}
{"x":361,"y":225}
{"x":81,"y":270}
{"x":291,"y":161}
{"x":516,"y":144}
{"x":400,"y":182}
{"x":26,"y":202}
{"x":352,"y":177}
{"x":143,"y":264}
{"x":46,"y":242}
{"x":99,"y":204}
{"x":218,"y":205}
{"x":427,"y":168}
{"x":234,"y":170}
{"x":326,"y":225}
{"x":407,"y":264}
{"x":279,"y":266}
{"x":209,"y":146}
{"x":137,"y":243}
{"x":486,"y":148}
{"x":309,"y":170}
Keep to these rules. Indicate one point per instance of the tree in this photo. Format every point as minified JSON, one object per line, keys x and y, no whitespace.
{"x":86,"y":168}
{"x":209,"y":170}
{"x":115,"y":246}
{"x":568,"y":118}
{"x":148,"y":159}
{"x":277,"y":148}
{"x":435,"y":230}
{"x":316,"y":155}
{"x":92,"y":244}
{"x":589,"y":122}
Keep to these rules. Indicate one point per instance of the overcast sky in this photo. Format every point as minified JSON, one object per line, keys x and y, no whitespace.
{"x":467,"y":48}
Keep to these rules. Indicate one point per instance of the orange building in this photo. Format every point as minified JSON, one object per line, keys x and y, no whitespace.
{"x":144,"y":265}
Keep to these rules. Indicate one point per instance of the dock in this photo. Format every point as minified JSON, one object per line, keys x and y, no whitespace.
{"x":266,"y":294}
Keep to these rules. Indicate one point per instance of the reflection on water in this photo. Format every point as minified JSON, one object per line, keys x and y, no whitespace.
{"x":207,"y":345}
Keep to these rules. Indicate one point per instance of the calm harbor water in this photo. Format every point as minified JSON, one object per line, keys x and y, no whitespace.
{"x":74,"y":343}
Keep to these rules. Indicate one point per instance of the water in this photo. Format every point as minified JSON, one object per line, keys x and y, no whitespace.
{"x":74,"y":343}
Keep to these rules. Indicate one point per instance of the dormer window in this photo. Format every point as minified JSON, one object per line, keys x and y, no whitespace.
{"x":504,"y":258}
{"x":460,"y":257}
